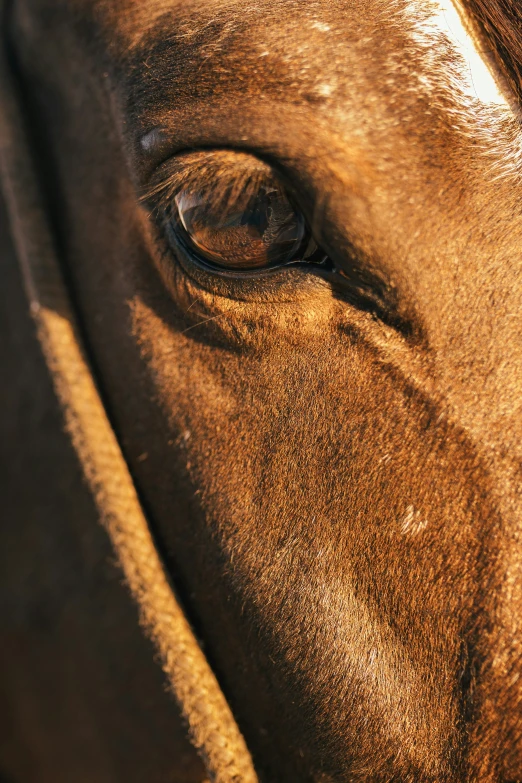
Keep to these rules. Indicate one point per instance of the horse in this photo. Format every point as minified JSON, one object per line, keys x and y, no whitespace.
{"x":290,"y":236}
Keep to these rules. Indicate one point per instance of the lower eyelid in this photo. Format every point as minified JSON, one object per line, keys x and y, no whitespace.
{"x":313,"y":273}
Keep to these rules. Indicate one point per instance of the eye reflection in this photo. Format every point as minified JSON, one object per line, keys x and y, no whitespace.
{"x":242,"y":230}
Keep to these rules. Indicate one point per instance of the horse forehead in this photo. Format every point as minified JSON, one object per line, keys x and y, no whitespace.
{"x":140,"y":25}
{"x":373,"y":33}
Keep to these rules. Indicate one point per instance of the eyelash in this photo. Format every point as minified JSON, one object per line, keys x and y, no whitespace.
{"x":222,"y":179}
{"x":215,"y":183}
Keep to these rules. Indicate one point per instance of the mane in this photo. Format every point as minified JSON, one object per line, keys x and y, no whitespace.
{"x":501,"y":25}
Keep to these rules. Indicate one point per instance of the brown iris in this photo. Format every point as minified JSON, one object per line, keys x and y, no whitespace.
{"x":243,"y":229}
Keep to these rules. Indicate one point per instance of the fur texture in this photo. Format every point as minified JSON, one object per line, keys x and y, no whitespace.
{"x":331,"y":467}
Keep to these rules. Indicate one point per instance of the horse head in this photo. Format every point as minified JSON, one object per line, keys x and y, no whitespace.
{"x":293,"y":235}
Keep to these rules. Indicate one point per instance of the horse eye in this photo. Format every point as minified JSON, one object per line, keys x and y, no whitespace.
{"x":245,"y":230}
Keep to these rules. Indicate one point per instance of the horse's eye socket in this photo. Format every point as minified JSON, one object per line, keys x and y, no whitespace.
{"x":242,"y":230}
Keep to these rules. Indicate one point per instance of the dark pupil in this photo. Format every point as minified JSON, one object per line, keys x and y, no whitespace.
{"x":242,"y":231}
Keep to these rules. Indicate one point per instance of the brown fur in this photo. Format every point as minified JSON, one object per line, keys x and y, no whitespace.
{"x":333,"y":477}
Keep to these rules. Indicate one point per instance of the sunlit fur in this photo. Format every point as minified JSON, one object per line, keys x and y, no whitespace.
{"x":331,"y":468}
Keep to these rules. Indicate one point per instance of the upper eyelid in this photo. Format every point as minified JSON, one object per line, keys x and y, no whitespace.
{"x":214,"y":178}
